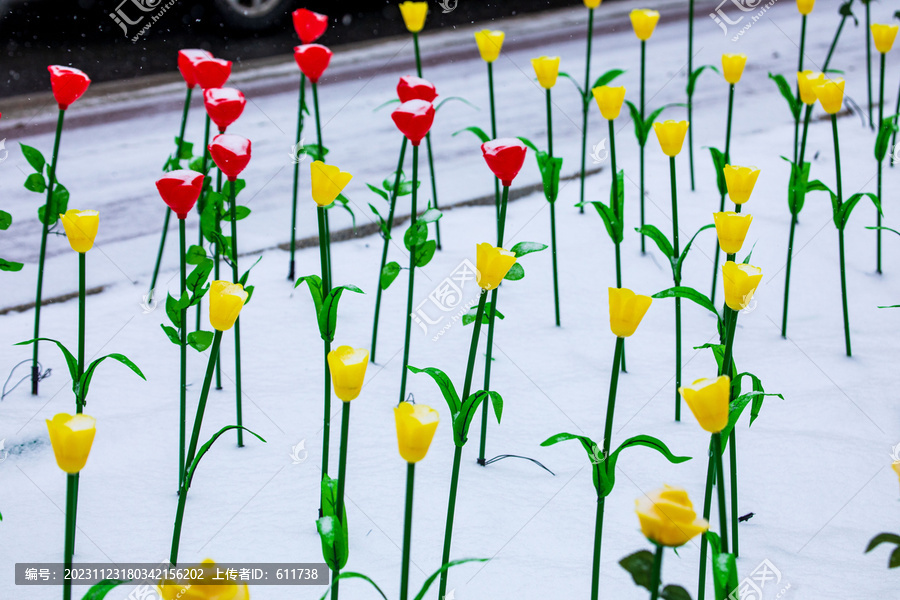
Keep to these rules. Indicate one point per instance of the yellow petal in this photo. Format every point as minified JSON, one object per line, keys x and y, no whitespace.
{"x":81,"y":228}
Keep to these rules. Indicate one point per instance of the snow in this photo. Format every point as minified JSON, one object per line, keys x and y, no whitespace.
{"x":814,"y":469}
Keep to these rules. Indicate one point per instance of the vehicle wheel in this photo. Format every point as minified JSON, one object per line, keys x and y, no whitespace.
{"x":253,"y":14}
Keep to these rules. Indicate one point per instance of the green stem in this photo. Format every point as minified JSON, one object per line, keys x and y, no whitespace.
{"x":451,"y":509}
{"x":490,"y":70}
{"x":837,"y":35}
{"x":217,"y":252}
{"x":232,"y":204}
{"x":598,"y":536}
{"x":504,"y":200}
{"x":878,"y":213}
{"x":797,"y":94}
{"x":611,"y":402}
{"x":690,"y":98}
{"x":387,"y":240}
{"x":51,"y":177}
{"x":437,"y":224}
{"x":720,"y":489}
{"x":82,"y":276}
{"x":715,"y":276}
{"x":192,"y":449}
{"x":412,"y":273}
{"x":707,"y":510}
{"x":677,"y":280}
{"x":869,"y":61}
{"x":300,"y":104}
{"x":165,"y":230}
{"x":202,"y":203}
{"x":418,"y":54}
{"x":896,"y":112}
{"x":553,"y":210}
{"x":342,"y":478}
{"x":787,"y":276}
{"x":731,"y":317}
{"x":407,"y":530}
{"x":585,"y":102}
{"x":326,"y":288}
{"x":69,"y":543}
{"x":182,"y":392}
{"x":315,"y":91}
{"x":615,"y":209}
{"x":655,"y":575}
{"x":840,"y":201}
{"x":643,"y":74}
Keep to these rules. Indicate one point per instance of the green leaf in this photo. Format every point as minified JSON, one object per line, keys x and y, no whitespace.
{"x":382,"y":223}
{"x":445,"y":567}
{"x":240,"y":212}
{"x":718,"y":159}
{"x":6,"y":265}
{"x":332,"y":528}
{"x":5,"y":220}
{"x":425,"y":253}
{"x":60,"y":198}
{"x":99,"y":590}
{"x":415,"y":235}
{"x":662,"y":242}
{"x":607,"y":78}
{"x":239,"y":185}
{"x":328,"y":314}
{"x":430,"y":216}
{"x":687,"y":248}
{"x":523,"y":248}
{"x":528,"y":143}
{"x":515,"y":273}
{"x":35,"y":183}
{"x":82,"y":389}
{"x":479,"y":133}
{"x":352,"y":575}
{"x":817,"y":186}
{"x":197,"y":278}
{"x":674,"y":592}
{"x":444,"y":384}
{"x":195,"y":255}
{"x":246,"y":275}
{"x":797,"y":187}
{"x":378,"y":191}
{"x":200,"y":340}
{"x":171,"y":333}
{"x":787,"y":93}
{"x":882,"y":140}
{"x":71,"y":361}
{"x":582,"y":93}
{"x":497,"y":403}
{"x":388,"y":103}
{"x":174,"y":307}
{"x":692,"y":80}
{"x":848,"y":206}
{"x":550,"y":168}
{"x":691,"y":294}
{"x":640,"y":566}
{"x":462,"y":420}
{"x":34,"y":157}
{"x":613,"y":225}
{"x":607,"y":468}
{"x":189,"y":474}
{"x":438,"y":106}
{"x":314,"y":151}
{"x":187,"y":149}
{"x":469,"y":316}
{"x":315,"y":289}
{"x":389,"y":274}
{"x":724,"y":568}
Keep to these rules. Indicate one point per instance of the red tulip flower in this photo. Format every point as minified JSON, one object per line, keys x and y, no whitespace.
{"x":211,"y":72}
{"x":224,"y":106}
{"x":180,"y":190}
{"x":504,"y":157}
{"x":68,"y":84}
{"x":414,"y":119}
{"x":186,"y":60}
{"x":312,"y":59}
{"x":415,"y":88}
{"x":231,"y":154}
{"x":309,"y":25}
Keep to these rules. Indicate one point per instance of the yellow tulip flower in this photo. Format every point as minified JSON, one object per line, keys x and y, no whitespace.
{"x":416,"y":424}
{"x":226,"y":300}
{"x":733,"y":67}
{"x":348,"y":370}
{"x":547,"y":70}
{"x":626,"y":309}
{"x":644,"y":22}
{"x":328,"y":182}
{"x":740,"y":182}
{"x":71,"y":437}
{"x":667,"y":517}
{"x":805,"y":6}
{"x":592,"y":3}
{"x":81,"y":228}
{"x":671,"y":135}
{"x":807,"y":81}
{"x":202,"y":587}
{"x":492,"y":264}
{"x":884,"y":36}
{"x":830,"y":93}
{"x":609,"y":99}
{"x":740,"y":282}
{"x":708,"y":399}
{"x":414,"y":15}
{"x":731,"y":229}
{"x":896,"y":467}
{"x":489,"y":44}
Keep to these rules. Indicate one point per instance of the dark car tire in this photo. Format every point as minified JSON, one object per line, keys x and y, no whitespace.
{"x":242,"y":14}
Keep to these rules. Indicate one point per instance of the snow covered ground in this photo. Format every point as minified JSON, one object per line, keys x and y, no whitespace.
{"x":814,"y":469}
